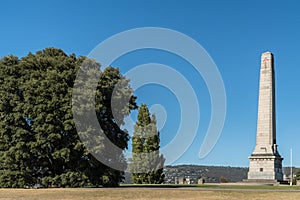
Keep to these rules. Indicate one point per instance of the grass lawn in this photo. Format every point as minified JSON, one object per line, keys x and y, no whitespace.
{"x":215,"y":186}
{"x":132,"y":193}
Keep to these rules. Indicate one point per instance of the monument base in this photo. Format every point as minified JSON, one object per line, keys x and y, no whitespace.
{"x":265,"y":167}
{"x":264,"y":182}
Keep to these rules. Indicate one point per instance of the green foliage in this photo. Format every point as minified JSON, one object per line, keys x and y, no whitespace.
{"x":297,"y":178}
{"x":223,"y":179}
{"x":145,"y":150}
{"x":298,"y":175}
{"x":38,"y":139}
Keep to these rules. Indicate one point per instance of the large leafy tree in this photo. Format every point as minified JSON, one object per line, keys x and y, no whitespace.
{"x":38,"y":139}
{"x":146,"y":162}
{"x":15,"y":133}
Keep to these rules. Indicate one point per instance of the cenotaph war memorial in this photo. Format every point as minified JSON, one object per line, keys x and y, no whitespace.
{"x":265,"y":161}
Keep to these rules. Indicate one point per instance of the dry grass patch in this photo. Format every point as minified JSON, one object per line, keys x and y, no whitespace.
{"x":141,"y":194}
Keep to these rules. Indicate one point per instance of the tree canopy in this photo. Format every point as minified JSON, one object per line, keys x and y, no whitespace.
{"x":146,"y":162}
{"x":39,"y":143}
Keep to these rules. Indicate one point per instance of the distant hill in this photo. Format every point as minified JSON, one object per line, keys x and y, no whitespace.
{"x":211,"y":174}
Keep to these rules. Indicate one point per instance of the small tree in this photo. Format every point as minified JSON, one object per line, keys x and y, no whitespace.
{"x":297,"y":178}
{"x":146,"y":163}
{"x":223,"y":179}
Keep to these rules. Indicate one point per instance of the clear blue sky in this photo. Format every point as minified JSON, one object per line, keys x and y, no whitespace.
{"x":234,"y":33}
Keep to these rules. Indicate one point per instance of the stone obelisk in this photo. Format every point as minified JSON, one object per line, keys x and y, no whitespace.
{"x":265,"y":161}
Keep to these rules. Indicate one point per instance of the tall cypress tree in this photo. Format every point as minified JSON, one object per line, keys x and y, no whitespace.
{"x":146,"y":162}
